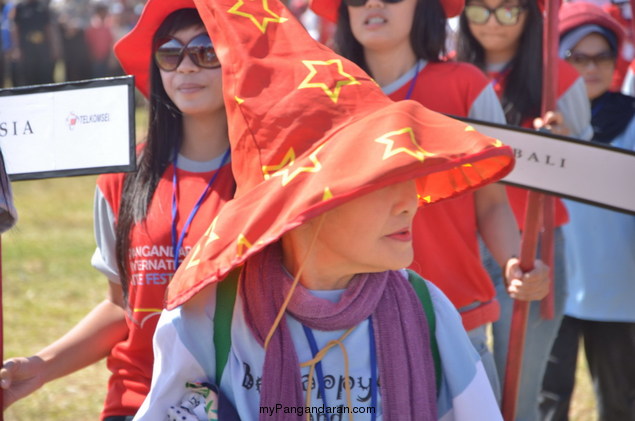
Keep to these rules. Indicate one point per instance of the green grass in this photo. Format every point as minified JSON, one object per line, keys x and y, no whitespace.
{"x":49,"y":285}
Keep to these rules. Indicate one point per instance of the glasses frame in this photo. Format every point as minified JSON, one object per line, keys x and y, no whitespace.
{"x":600,"y":60}
{"x":494,"y":12}
{"x":187,"y":48}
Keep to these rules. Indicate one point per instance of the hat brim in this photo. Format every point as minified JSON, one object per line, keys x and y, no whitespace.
{"x":134,"y":50}
{"x":336,"y":171}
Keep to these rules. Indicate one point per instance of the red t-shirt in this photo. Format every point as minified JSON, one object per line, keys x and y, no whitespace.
{"x":151,"y":268}
{"x":445,"y":234}
{"x":567,"y":76}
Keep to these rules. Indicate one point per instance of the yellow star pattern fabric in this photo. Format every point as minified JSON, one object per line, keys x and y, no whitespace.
{"x":289,"y":174}
{"x":289,"y":159}
{"x":210,"y":237}
{"x":260,"y":9}
{"x":334,"y":93}
{"x":406,"y":143}
{"x":242,"y":245}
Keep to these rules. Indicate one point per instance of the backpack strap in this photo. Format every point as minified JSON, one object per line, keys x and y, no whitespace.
{"x":225,"y":299}
{"x":422,"y":291}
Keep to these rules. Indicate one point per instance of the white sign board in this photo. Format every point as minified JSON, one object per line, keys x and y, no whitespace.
{"x":74,"y":128}
{"x":580,"y":170}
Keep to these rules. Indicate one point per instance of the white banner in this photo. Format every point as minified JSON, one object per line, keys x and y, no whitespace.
{"x":589,"y":172}
{"x":74,"y":128}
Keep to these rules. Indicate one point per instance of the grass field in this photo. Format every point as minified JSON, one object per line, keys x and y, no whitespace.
{"x":49,"y":285}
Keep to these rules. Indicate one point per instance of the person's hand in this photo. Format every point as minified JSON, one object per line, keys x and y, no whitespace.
{"x":553,"y":122}
{"x":19,"y":377}
{"x":529,"y":286}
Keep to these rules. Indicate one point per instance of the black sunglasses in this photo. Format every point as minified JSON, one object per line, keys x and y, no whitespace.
{"x":505,"y":15}
{"x":169,"y":53}
{"x":358,"y":3}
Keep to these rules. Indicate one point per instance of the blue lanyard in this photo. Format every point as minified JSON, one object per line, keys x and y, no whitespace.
{"x":413,"y":81}
{"x":373,"y":367}
{"x":176,"y":245}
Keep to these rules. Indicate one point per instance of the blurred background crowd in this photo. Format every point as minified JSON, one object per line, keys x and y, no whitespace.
{"x":45,"y":41}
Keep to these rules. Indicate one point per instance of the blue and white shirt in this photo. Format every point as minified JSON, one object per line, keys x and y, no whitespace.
{"x":184,"y":352}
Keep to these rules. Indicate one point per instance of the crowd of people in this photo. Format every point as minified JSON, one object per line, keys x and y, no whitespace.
{"x":37,"y":35}
{"x":288,"y":241}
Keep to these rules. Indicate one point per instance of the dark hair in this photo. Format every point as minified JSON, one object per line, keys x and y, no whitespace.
{"x":523,"y":88}
{"x":427,"y":36}
{"x":162,"y":142}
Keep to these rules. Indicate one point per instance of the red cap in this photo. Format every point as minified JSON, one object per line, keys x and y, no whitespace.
{"x":574,"y":15}
{"x":309,"y":131}
{"x":328,"y":9}
{"x":134,"y":50}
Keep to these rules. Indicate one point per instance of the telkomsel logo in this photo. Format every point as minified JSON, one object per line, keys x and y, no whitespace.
{"x":73,"y":120}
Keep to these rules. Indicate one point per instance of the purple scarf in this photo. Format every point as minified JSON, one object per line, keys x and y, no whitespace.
{"x":406,"y":370}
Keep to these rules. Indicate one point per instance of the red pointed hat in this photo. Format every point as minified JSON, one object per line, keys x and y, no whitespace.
{"x":134,"y":50}
{"x":309,"y":131}
{"x":329,"y":9}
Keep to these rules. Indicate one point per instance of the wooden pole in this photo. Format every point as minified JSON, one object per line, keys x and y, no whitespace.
{"x":533,"y":219}
{"x":520,"y":311}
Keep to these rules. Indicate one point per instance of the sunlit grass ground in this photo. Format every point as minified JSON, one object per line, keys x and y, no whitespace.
{"x":49,"y":285}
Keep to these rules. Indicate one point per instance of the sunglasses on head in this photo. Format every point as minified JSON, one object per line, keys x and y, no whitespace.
{"x":169,"y":53}
{"x":358,"y":3}
{"x":505,"y":15}
{"x":603,"y":59}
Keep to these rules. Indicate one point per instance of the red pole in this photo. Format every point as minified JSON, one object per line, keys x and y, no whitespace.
{"x":520,"y":312}
{"x":533,"y":215}
{"x":550,"y":38}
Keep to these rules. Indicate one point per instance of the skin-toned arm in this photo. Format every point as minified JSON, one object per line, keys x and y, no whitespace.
{"x":498,"y":228}
{"x":86,"y":343}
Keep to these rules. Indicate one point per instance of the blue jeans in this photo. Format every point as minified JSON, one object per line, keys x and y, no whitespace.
{"x":478,"y":337}
{"x":540,"y":333}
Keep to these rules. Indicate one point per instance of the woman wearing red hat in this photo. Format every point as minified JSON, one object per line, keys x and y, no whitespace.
{"x":600,"y":256}
{"x":146,"y":222}
{"x":504,"y":39}
{"x":401,"y":44}
{"x":323,"y":323}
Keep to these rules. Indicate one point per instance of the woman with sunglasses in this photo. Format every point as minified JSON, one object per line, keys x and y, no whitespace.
{"x":147,"y":221}
{"x":401,"y":44}
{"x":504,"y":39}
{"x":600,"y":256}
